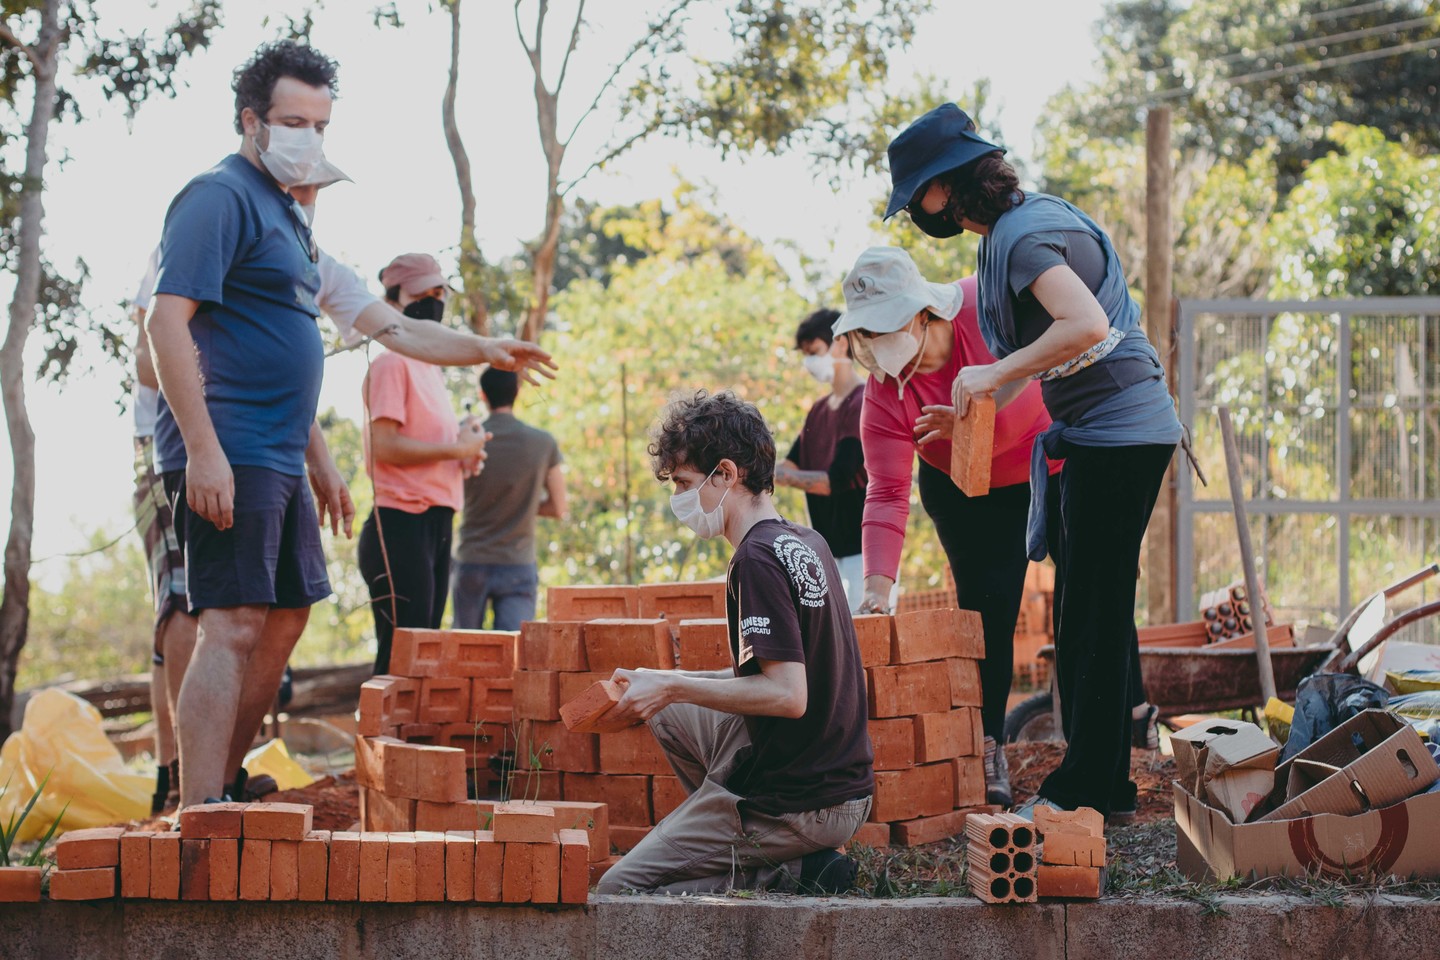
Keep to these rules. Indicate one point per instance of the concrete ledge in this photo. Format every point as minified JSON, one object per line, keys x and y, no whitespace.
{"x":617,"y":928}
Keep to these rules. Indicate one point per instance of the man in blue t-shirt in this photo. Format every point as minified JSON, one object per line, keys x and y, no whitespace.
{"x":239,"y":356}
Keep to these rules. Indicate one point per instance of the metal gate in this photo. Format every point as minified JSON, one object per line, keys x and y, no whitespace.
{"x":1337,"y":416}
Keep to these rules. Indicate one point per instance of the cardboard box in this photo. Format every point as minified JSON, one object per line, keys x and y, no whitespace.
{"x":1229,"y":762}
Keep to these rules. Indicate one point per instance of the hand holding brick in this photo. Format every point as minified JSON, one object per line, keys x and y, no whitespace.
{"x":972,"y":447}
{"x":586,"y":713}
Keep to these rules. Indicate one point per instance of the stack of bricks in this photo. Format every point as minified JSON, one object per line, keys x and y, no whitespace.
{"x":446,"y":688}
{"x":1072,"y":852}
{"x":1228,"y":613}
{"x":923,"y":685}
{"x":1000,"y":850}
{"x":268,"y":851}
{"x":590,"y":632}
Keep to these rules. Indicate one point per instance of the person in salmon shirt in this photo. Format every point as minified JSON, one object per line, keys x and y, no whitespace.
{"x":914,"y":336}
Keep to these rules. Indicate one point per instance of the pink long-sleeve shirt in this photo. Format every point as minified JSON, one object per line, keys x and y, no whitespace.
{"x":887,"y":432}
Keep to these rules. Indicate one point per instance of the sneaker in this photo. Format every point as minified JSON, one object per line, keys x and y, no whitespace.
{"x":997,"y":775}
{"x":826,"y":873}
{"x":248,"y":790}
{"x":1145,"y":729}
{"x":1027,"y":809}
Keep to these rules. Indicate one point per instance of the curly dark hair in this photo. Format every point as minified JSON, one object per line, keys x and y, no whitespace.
{"x":982,"y":189}
{"x":818,"y":326}
{"x":701,"y":430}
{"x":255,"y":79}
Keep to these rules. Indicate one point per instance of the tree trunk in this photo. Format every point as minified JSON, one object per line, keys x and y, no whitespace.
{"x":543,"y":259}
{"x":15,"y":602}
{"x":472,"y":263}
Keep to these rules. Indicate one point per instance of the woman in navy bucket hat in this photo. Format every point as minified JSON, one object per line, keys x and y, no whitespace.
{"x":1054,"y":306}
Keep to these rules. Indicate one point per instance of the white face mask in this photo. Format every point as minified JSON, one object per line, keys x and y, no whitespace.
{"x":293,"y":153}
{"x":687,"y":509}
{"x":893,"y":350}
{"x":821,"y":366}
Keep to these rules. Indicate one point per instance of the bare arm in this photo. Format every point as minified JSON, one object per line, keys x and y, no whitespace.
{"x":393,"y":447}
{"x":778,"y":690}
{"x":438,"y":344}
{"x":144,"y":366}
{"x":209,"y":482}
{"x":787,"y":474}
{"x":556,"y":505}
{"x":332,"y":496}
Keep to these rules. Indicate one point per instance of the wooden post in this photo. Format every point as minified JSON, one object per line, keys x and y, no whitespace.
{"x":1247,"y":554}
{"x":1159,"y":260}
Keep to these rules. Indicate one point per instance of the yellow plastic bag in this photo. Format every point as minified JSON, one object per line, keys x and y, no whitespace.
{"x":62,"y":736}
{"x":1279,"y":715}
{"x":274,"y":758}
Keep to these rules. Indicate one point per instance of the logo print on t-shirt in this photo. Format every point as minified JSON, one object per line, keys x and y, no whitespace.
{"x":806,"y":571}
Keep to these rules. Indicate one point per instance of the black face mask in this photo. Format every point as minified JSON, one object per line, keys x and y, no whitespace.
{"x":939,"y":225}
{"x":426,"y":308}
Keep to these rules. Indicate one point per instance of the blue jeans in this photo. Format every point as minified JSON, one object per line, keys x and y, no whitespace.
{"x":510,"y":587}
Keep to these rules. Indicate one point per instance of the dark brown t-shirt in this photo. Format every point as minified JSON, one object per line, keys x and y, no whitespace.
{"x":784,"y":602}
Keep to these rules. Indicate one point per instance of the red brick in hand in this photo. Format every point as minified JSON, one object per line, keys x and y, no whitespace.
{"x":587,"y":712}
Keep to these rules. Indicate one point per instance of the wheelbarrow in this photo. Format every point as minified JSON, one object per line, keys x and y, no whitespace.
{"x":1225,"y":676}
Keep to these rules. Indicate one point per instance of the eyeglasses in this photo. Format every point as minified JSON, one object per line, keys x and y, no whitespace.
{"x":301,"y":223}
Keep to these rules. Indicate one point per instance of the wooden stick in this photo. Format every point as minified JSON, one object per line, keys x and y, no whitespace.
{"x":1247,"y":553}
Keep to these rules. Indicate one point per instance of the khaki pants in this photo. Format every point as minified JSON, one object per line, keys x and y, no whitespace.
{"x":710,"y":843}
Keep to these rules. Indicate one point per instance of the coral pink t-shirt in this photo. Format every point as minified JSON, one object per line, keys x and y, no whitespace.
{"x":887,"y":432}
{"x":413,"y":394}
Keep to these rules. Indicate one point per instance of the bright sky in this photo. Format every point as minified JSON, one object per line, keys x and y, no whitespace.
{"x":107,"y":200}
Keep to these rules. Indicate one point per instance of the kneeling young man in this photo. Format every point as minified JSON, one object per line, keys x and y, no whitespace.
{"x":774,"y":753}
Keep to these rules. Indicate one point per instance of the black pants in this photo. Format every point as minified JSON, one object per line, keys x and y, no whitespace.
{"x":1106,"y":496}
{"x":418,"y":548}
{"x":984,"y":540}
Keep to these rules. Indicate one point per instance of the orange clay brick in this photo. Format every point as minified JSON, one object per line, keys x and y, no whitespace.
{"x":285,"y":870}
{"x":165,"y":866}
{"x":600,"y":867}
{"x":894,"y":743}
{"x":1054,"y":880}
{"x":633,"y":750}
{"x":92,"y":883}
{"x":875,"y":835}
{"x":704,"y":644}
{"x":554,"y":747}
{"x":480,"y":741}
{"x":969,"y":781}
{"x":444,"y":817}
{"x":537,"y":695}
{"x":925,"y":791}
{"x":489,"y":867}
{"x":586,"y":713}
{"x":255,"y":869}
{"x":459,"y":865}
{"x":1073,"y":850}
{"x":628,"y":645}
{"x":908,"y":689}
{"x":552,"y":645}
{"x":591,"y":602}
{"x":440,"y":772}
{"x":480,"y":653}
{"x":518,"y":872}
{"x":626,"y":838}
{"x":444,"y":699}
{"x":1085,"y":820}
{"x":872,"y":631}
{"x":964,"y":682}
{"x":376,"y":709}
{"x":972,"y":447}
{"x":545,"y":872}
{"x":342,"y":875}
{"x":943,"y":736}
{"x":545,"y":785}
{"x":87,"y":849}
{"x":225,"y":869}
{"x":682,"y":601}
{"x":20,"y":884}
{"x":278,"y":821}
{"x":912,"y":833}
{"x":592,"y":818}
{"x":429,"y":867}
{"x":523,"y":823}
{"x":134,"y":866}
{"x":194,"y":869}
{"x":666,"y":794}
{"x":492,"y":701}
{"x":416,"y":653}
{"x":374,"y":866}
{"x":574,"y":866}
{"x":399,"y":767}
{"x":923,"y":635}
{"x":368,"y":771}
{"x":385,"y":814}
{"x":627,"y":799}
{"x":400,"y":878}
{"x":314,"y":863}
{"x":573,"y":685}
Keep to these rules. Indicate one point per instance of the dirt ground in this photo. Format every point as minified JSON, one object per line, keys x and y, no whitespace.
{"x":1152,"y":772}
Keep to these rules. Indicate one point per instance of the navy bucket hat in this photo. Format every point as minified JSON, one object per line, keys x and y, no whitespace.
{"x":941,"y":140}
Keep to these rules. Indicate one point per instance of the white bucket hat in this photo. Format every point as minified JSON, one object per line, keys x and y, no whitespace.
{"x":884,"y":291}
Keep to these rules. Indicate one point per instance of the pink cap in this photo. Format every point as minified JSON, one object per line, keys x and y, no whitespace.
{"x":413,"y":272}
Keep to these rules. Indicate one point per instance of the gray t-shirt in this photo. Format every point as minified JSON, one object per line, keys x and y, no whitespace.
{"x":1068,"y":398}
{"x":498,"y":525}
